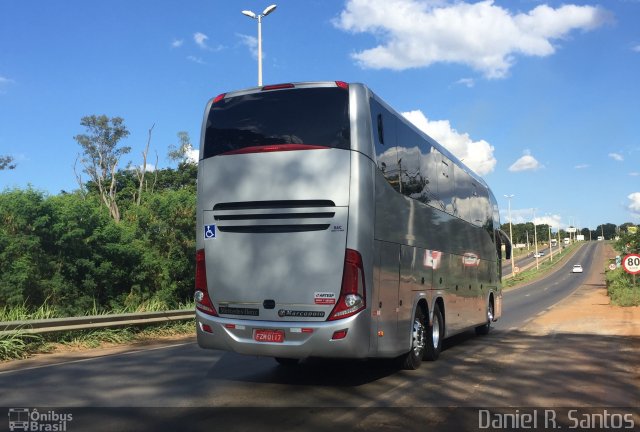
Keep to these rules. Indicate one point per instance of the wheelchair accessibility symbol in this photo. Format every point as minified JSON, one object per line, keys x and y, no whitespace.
{"x":209,"y":232}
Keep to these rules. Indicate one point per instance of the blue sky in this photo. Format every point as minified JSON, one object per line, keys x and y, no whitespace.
{"x":541,"y":98}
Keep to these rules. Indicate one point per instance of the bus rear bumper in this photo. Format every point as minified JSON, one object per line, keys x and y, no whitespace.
{"x":299,"y":339}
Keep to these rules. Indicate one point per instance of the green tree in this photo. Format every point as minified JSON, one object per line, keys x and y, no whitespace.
{"x":629,"y":242}
{"x":26,"y":272}
{"x":69,"y":250}
{"x":6,"y":162}
{"x":180,"y":153}
{"x":608,"y":230}
{"x":101,"y":156}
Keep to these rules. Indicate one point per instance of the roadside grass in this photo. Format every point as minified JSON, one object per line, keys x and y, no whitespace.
{"x":621,"y":288}
{"x":19,"y":344}
{"x":22,"y":312}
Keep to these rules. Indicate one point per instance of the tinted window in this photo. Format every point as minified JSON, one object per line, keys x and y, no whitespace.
{"x":446,"y":186}
{"x":418,"y":165}
{"x":312,"y":116}
{"x":384,"y":136}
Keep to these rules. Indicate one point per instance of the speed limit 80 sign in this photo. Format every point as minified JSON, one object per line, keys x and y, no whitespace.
{"x":631,"y":263}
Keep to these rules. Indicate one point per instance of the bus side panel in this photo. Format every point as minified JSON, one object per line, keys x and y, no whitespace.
{"x":387,"y":299}
{"x":361,"y":217}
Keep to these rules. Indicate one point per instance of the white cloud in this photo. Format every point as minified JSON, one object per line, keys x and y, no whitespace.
{"x":469,"y":82}
{"x":634,"y":207}
{"x":553,"y":221}
{"x":482,"y":35}
{"x":138,"y":168}
{"x":636,"y":48}
{"x":192,"y":155}
{"x":196,"y":59}
{"x":477,"y":155}
{"x":250,"y":42}
{"x":177,"y":43}
{"x":526,"y":163}
{"x":582,"y":166}
{"x":201,"y":40}
{"x":616,"y":156}
{"x":634,"y":174}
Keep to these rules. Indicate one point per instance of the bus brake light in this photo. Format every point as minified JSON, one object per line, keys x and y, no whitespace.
{"x":201,"y":295}
{"x":352,"y":292}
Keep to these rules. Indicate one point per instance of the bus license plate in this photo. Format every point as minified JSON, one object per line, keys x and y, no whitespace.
{"x":269,"y":336}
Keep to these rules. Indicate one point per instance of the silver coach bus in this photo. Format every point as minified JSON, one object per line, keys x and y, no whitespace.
{"x":330,"y":226}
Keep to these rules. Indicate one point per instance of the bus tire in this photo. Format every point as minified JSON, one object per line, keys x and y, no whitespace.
{"x":485,"y":328}
{"x":413,"y":359}
{"x":435,"y":333}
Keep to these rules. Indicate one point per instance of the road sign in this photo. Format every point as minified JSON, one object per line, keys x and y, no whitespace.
{"x":516,"y":269}
{"x":631,"y":263}
{"x":612,"y":266}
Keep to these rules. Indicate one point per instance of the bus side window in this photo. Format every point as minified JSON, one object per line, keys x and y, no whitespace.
{"x":383,"y":132}
{"x":380,"y":130}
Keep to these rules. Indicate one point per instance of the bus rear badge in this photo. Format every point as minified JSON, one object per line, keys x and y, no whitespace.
{"x":324,"y":298}
{"x":300,"y":314}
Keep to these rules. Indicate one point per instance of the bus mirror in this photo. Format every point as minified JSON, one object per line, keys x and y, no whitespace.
{"x":503,"y":238}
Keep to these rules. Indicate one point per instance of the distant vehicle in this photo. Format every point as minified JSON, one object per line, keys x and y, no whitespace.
{"x":554,"y":242}
{"x":567,"y":240}
{"x":577,"y":268}
{"x":600,"y":237}
{"x":538,"y":255}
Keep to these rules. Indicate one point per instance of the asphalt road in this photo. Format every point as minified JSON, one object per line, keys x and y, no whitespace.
{"x":522,"y":304}
{"x":133,"y":390}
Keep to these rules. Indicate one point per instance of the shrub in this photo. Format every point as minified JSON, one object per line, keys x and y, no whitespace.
{"x":621,"y":288}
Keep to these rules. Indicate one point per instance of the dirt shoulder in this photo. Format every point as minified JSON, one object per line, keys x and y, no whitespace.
{"x":588,"y":310}
{"x":583,"y":352}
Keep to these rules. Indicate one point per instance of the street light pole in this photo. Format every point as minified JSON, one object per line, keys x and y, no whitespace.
{"x":559,"y":246}
{"x":513,"y":265}
{"x":550,"y":247}
{"x":535,"y":239}
{"x":259,"y":17}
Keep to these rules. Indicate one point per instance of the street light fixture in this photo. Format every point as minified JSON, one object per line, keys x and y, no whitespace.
{"x":259,"y":17}
{"x":508,"y":197}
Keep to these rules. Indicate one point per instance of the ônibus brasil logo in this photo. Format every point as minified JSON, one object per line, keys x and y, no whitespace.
{"x":26,"y":419}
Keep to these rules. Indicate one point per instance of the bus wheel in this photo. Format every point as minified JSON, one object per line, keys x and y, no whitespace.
{"x":435,"y":333}
{"x":287,"y":361}
{"x":413,"y":358}
{"x":484,"y":329}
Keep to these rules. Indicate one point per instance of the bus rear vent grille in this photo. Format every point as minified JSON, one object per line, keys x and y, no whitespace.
{"x":270,"y":216}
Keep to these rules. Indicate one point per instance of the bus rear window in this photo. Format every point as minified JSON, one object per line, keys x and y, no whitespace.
{"x":317,"y":117}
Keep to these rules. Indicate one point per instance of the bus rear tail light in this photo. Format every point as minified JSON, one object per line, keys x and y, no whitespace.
{"x":353,"y":291}
{"x":278,"y":87}
{"x":201,"y":296}
{"x":274,"y":148}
